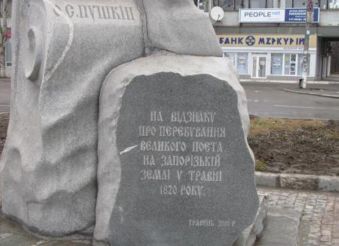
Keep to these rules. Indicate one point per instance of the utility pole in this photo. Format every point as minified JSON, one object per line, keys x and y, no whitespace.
{"x":306,"y":59}
{"x":209,"y":5}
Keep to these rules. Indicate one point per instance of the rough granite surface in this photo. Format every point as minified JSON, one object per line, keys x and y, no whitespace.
{"x":179,"y":27}
{"x":62,"y":52}
{"x":118,"y":221}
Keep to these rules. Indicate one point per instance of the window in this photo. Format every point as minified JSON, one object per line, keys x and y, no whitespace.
{"x":289,"y":4}
{"x":333,"y":4}
{"x":276,"y":64}
{"x":299,"y":3}
{"x":232,"y":57}
{"x":239,"y":60}
{"x":239,"y":4}
{"x":231,"y":4}
{"x":245,"y":3}
{"x":301,"y":64}
{"x":323,"y":4}
{"x":258,"y":4}
{"x":242,"y":63}
{"x":266,"y":3}
{"x":227,"y":5}
{"x":287,"y":64}
{"x":273,"y":4}
{"x":316,"y":3}
{"x":290,"y":64}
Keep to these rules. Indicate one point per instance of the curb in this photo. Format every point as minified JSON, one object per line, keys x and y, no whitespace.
{"x":311,"y":93}
{"x":298,"y":181}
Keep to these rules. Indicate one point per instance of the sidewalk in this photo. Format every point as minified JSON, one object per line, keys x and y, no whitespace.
{"x":320,"y":214}
{"x":319,"y":222}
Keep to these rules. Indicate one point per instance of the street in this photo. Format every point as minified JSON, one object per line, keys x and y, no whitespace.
{"x":264,"y":99}
{"x":270,"y":100}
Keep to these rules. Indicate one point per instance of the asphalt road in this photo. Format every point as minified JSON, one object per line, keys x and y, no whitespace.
{"x":264,"y":99}
{"x":270,"y":100}
{"x":5,"y":88}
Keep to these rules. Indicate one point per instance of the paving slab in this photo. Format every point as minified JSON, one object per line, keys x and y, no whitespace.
{"x":282,"y":228}
{"x":319,"y":223}
{"x":250,"y":234}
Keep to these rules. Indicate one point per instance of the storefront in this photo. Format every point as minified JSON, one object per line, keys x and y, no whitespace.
{"x":269,"y":57}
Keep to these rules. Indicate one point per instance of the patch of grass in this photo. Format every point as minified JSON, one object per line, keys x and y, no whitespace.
{"x":295,"y":146}
{"x":263,"y":126}
{"x":260,"y":166}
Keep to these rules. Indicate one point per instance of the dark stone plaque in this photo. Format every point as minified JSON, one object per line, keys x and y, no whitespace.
{"x":186,"y":169}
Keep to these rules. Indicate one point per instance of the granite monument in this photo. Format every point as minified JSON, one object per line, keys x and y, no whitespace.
{"x":173,"y":153}
{"x":126,"y":124}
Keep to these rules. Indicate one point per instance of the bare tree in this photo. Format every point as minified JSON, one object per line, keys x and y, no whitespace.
{"x":3,"y":36}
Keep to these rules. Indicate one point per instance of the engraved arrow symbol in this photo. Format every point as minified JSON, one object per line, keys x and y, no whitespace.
{"x":128,"y":149}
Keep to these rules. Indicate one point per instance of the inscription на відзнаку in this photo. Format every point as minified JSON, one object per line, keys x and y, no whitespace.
{"x":184,"y":166}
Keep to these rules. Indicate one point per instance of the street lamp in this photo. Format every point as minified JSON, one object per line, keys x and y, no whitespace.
{"x":306,"y":58}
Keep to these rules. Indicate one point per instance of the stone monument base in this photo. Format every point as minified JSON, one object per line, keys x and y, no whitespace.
{"x":174,"y":166}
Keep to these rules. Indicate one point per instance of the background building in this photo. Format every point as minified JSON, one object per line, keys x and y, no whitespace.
{"x":5,"y":36}
{"x":265,"y":38}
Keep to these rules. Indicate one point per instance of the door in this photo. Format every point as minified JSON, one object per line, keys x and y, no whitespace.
{"x":259,"y":66}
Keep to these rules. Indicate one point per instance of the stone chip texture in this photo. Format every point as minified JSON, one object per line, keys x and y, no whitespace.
{"x":115,"y":210}
{"x":50,"y":157}
{"x":61,"y":56}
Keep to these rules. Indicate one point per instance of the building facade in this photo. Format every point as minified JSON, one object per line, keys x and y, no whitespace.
{"x":265,"y":38}
{"x":5,"y":47}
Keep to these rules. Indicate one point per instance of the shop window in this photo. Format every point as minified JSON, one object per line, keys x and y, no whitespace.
{"x":333,"y":4}
{"x":242,"y":63}
{"x":232,"y":57}
{"x":239,"y":60}
{"x":276,"y":64}
{"x":322,"y":4}
{"x":290,"y":64}
{"x":301,"y":64}
{"x":287,"y":64}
